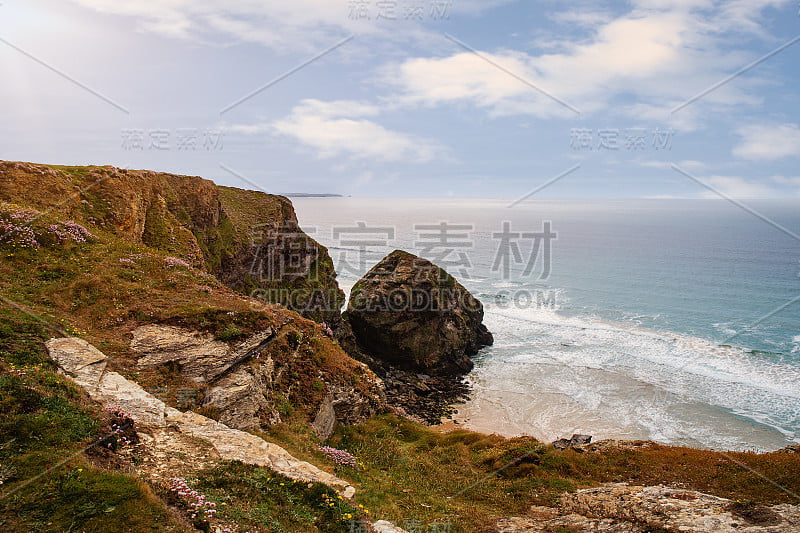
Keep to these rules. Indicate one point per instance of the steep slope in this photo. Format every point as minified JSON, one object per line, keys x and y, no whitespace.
{"x":249,"y":240}
{"x":105,"y":252}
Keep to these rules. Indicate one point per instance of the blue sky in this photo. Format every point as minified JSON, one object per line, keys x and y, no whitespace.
{"x":413,"y":97}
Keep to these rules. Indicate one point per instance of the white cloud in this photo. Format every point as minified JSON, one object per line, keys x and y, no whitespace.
{"x":661,"y":165}
{"x":783,"y":180}
{"x":247,"y":129}
{"x":791,"y":183}
{"x":469,"y":78}
{"x":689,"y":165}
{"x":285,"y":25}
{"x":624,"y":53}
{"x":288,"y":25}
{"x":588,"y":17}
{"x":737,"y":187}
{"x":643,"y":64}
{"x":768,"y":141}
{"x":746,"y":14}
{"x":692,"y":165}
{"x":338,"y":129}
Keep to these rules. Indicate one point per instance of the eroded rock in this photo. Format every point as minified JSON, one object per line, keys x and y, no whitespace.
{"x":199,"y":356}
{"x":384,"y":526}
{"x":240,"y":398}
{"x":85,"y":365}
{"x":325,"y":422}
{"x":572,"y":442}
{"x":412,"y":314}
{"x":245,"y":385}
{"x":622,"y":508}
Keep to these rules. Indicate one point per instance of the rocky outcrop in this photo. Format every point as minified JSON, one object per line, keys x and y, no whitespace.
{"x":384,"y":526}
{"x":274,"y":259}
{"x":621,"y":508}
{"x":412,"y":314}
{"x":243,"y":398}
{"x":246,"y":383}
{"x":199,"y":357}
{"x":607,"y":445}
{"x":249,"y":240}
{"x":572,"y":442}
{"x":325,"y":422}
{"x":792,"y":448}
{"x":86,"y":366}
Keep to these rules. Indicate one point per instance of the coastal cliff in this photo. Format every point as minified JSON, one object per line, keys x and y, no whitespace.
{"x":147,"y":384}
{"x":248,"y":240}
{"x":169,"y":262}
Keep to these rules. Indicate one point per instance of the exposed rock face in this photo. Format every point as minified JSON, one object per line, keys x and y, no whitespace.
{"x":249,"y":240}
{"x":245,"y":384}
{"x":325,"y":422}
{"x":384,"y":526}
{"x":86,"y":365}
{"x":199,"y":356}
{"x":575,"y":440}
{"x":242,"y":397}
{"x":410,"y":313}
{"x":606,"y":445}
{"x":620,"y":508}
{"x":792,"y":448}
{"x":275,"y":260}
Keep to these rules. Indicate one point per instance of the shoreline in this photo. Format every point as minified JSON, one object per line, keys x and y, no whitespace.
{"x":457,"y":421}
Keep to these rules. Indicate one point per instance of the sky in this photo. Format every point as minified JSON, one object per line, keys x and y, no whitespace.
{"x":491,"y":98}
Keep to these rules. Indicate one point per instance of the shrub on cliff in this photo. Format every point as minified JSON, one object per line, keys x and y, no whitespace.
{"x":22,"y":227}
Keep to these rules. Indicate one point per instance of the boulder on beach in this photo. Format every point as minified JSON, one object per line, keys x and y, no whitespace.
{"x":576,"y":440}
{"x":412,"y":314}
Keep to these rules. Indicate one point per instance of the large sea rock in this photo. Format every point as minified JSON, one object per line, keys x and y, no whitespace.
{"x":412,"y":314}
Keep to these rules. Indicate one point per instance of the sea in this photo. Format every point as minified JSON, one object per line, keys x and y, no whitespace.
{"x":676,"y":321}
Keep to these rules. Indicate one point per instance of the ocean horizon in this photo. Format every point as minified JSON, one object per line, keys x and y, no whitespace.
{"x":659,"y":319}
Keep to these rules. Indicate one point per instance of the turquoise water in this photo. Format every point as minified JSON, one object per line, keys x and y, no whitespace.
{"x":650,"y":323}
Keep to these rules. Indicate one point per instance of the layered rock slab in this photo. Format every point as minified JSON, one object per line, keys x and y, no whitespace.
{"x":86,"y":366}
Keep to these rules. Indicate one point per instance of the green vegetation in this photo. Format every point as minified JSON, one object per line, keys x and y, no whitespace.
{"x":48,"y":484}
{"x":471,"y":479}
{"x":260,"y":500}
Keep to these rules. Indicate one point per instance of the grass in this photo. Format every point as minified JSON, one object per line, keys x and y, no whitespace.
{"x":412,"y":473}
{"x":259,"y":500}
{"x":47,"y":419}
{"x":48,"y":484}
